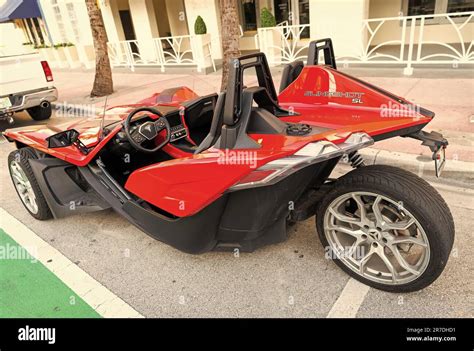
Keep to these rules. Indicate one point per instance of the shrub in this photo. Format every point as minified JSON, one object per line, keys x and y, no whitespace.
{"x":62,"y":45}
{"x":266,"y":18}
{"x":200,"y":26}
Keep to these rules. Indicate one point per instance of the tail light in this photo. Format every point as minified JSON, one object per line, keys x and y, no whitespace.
{"x":311,"y":153}
{"x":47,"y":71}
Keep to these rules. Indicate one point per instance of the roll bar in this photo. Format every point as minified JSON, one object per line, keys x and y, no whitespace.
{"x":322,"y":44}
{"x":237,"y":66}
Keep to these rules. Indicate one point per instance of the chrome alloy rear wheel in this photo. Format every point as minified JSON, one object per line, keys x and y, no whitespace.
{"x":376,"y":237}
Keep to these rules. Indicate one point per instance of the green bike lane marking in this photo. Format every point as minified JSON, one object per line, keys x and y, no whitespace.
{"x":53,"y":282}
{"x":29,"y":289}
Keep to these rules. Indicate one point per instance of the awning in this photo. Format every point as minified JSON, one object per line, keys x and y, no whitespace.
{"x":17,"y":9}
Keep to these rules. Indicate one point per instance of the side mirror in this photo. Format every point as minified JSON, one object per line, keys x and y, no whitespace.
{"x":63,"y":139}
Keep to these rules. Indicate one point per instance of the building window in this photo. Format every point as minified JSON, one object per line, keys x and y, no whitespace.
{"x":431,"y":7}
{"x":421,"y":7}
{"x":73,"y":21}
{"x":59,"y":21}
{"x":460,"y":6}
{"x":283,"y":11}
{"x":248,"y":15}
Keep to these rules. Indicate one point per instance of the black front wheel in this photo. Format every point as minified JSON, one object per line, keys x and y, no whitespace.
{"x":387,"y":228}
{"x":25,"y":183}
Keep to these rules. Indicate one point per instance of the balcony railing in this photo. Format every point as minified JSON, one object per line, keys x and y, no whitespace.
{"x":407,"y":42}
{"x":185,"y":50}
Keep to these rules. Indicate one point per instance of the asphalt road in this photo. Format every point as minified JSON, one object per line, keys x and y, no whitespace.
{"x":291,"y":279}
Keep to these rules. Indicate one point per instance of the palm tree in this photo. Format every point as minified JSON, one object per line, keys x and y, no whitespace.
{"x":230,"y":36}
{"x":103,"y":84}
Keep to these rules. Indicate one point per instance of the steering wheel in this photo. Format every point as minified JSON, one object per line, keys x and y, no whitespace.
{"x":146,"y":131}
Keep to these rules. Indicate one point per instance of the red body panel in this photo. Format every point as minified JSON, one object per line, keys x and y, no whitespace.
{"x":189,"y":183}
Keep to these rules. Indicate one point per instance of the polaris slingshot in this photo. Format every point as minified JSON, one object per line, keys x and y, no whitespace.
{"x":233,"y":170}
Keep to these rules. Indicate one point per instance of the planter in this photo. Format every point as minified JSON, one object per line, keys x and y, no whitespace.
{"x":72,"y":57}
{"x":61,"y":57}
{"x":270,"y":40}
{"x":202,"y":51}
{"x":86,"y":55}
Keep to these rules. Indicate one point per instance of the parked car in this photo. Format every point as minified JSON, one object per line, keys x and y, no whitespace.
{"x":26,"y":81}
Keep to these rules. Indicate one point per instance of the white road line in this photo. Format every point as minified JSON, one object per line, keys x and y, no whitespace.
{"x":101,"y":299}
{"x":349,"y":301}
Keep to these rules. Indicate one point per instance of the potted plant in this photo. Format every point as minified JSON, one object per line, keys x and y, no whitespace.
{"x":267,"y":19}
{"x":200,"y":26}
{"x":270,"y":37}
{"x":201,"y":44}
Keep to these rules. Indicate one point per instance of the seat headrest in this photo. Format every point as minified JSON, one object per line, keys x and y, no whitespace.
{"x":290,"y":73}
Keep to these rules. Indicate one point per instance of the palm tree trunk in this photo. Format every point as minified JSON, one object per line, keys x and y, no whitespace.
{"x":230,"y":36}
{"x":103,"y":84}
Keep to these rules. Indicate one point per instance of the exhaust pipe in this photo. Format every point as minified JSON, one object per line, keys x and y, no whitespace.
{"x":45,"y":104}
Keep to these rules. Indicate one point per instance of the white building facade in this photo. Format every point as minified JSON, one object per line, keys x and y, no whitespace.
{"x":160,"y":33}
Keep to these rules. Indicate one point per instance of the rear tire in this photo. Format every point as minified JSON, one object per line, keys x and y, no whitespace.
{"x":25,"y":183}
{"x":39,"y":113}
{"x":394,"y":197}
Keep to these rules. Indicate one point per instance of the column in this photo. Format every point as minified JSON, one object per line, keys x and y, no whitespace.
{"x":111,"y":18}
{"x":343,"y":27}
{"x":209,"y":11}
{"x":145,"y":26}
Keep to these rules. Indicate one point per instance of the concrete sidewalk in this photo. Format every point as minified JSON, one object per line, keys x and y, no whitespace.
{"x":450,"y":98}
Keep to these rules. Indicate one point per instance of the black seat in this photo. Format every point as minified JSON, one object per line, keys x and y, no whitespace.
{"x":199,"y":112}
{"x":290,"y":73}
{"x":216,"y":125}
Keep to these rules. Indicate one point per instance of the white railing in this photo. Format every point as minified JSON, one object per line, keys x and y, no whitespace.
{"x":185,"y":50}
{"x":407,"y":42}
{"x":283,"y":43}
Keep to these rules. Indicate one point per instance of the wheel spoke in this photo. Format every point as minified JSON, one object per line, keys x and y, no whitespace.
{"x":377,"y":213}
{"x":365,"y":259}
{"x":24,"y":197}
{"x":33,"y":203}
{"x":401,"y":225}
{"x":355,"y":245}
{"x":361,"y":205}
{"x":408,"y":240}
{"x":355,"y":233}
{"x":344,"y":218}
{"x":17,"y":177}
{"x":388,"y":264}
{"x":23,"y":186}
{"x":402,"y":262}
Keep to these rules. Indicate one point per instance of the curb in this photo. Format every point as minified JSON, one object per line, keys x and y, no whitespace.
{"x":454,"y":171}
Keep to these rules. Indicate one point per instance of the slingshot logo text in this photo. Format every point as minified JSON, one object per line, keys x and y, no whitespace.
{"x":37,"y":334}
